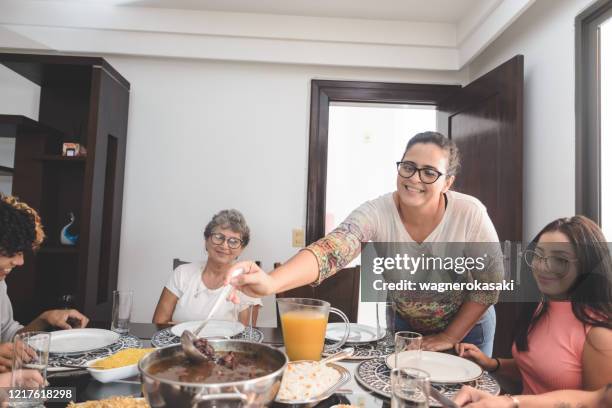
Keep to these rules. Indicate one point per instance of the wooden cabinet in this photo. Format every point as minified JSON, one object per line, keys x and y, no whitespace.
{"x":82,"y":100}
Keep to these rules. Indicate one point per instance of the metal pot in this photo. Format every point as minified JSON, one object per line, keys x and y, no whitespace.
{"x":255,"y":392}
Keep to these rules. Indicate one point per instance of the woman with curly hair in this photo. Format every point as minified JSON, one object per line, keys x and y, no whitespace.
{"x":21,"y":231}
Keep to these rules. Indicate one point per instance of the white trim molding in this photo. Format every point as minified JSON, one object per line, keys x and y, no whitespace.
{"x":94,"y":28}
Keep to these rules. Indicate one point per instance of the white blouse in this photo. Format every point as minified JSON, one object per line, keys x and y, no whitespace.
{"x":195,"y":299}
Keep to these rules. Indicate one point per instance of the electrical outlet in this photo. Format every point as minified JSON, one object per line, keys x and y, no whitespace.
{"x":297,"y":238}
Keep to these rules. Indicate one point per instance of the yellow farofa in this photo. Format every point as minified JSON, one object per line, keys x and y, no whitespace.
{"x":122,"y":358}
{"x":112,"y":402}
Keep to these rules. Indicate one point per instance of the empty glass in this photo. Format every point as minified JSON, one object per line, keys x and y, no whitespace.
{"x":252,"y":311}
{"x":385,"y":322}
{"x":122,"y":310}
{"x":30,"y":352}
{"x":409,"y":388}
{"x":408,"y":349}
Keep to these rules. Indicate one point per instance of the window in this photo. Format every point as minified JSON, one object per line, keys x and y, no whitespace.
{"x":593,"y":123}
{"x":606,"y":127}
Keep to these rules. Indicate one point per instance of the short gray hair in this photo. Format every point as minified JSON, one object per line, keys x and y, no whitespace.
{"x":230,"y":219}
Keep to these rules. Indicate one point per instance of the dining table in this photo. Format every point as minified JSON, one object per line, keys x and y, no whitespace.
{"x":86,"y":388}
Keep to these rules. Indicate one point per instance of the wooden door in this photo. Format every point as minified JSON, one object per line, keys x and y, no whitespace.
{"x":485,"y":119}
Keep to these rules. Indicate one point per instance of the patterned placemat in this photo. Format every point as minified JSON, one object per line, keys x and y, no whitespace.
{"x":365,"y":351}
{"x":126,"y":341}
{"x":165,"y":337}
{"x":374,"y":376}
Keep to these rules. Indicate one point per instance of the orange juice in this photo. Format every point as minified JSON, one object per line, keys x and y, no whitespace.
{"x":304,"y":334}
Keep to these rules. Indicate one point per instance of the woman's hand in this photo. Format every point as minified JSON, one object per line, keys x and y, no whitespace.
{"x":473,"y":398}
{"x":59,"y":318}
{"x":438,"y":342}
{"x":471,"y":352}
{"x":252,"y":282}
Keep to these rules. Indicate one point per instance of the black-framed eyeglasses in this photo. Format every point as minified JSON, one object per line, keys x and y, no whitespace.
{"x":427,"y":175}
{"x":555,"y":264}
{"x":218,"y":238}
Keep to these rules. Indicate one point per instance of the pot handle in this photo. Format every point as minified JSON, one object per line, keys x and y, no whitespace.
{"x":225,"y":396}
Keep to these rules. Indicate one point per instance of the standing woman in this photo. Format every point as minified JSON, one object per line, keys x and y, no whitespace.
{"x":421,"y":210}
{"x":193,"y":288}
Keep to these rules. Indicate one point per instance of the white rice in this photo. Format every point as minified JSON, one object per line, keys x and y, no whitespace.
{"x":305,"y":380}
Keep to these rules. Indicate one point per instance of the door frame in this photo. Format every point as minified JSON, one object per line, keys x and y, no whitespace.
{"x":323,"y":92}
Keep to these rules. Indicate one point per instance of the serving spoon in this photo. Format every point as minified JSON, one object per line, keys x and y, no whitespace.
{"x":344,"y":353}
{"x":187,"y":337}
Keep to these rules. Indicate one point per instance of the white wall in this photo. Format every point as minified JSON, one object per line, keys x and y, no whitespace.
{"x":18,"y":97}
{"x":207,"y":135}
{"x":544,"y":34}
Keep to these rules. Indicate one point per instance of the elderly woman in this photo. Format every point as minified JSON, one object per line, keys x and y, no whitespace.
{"x":423,"y":209}
{"x":20,"y":231}
{"x":193,"y":288}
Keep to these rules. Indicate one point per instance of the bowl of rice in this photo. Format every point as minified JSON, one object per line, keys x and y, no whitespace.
{"x":122,"y":364}
{"x":308,"y":382}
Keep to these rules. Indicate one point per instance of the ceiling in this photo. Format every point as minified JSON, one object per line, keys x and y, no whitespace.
{"x":439,"y":35}
{"x":439,"y":11}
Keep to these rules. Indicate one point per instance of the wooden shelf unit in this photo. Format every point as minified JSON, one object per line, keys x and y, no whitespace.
{"x":82,"y":100}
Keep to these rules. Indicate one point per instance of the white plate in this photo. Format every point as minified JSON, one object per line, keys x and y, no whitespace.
{"x":81,"y":340}
{"x":111,"y":374}
{"x":214,"y":328}
{"x":360,"y":333}
{"x":442,"y":367}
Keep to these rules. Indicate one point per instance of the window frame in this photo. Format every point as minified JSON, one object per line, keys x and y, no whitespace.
{"x":588,"y":109}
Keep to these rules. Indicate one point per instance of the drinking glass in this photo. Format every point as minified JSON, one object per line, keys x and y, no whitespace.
{"x":408,"y":349}
{"x":409,"y":388}
{"x":385,"y":322}
{"x":252,"y":313}
{"x":122,"y":310}
{"x":30,"y":352}
{"x":304,"y":322}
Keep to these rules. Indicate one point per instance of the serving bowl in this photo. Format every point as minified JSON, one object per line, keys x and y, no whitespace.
{"x":254,"y":392}
{"x":105,"y":375}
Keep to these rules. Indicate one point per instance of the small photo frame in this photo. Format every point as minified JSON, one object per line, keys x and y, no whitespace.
{"x":73,"y":150}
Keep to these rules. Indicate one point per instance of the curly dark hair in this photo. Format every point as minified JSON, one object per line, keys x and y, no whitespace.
{"x":20,"y":227}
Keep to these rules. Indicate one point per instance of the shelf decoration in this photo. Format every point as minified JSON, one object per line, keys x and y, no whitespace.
{"x":67,"y":236}
{"x":73,"y":150}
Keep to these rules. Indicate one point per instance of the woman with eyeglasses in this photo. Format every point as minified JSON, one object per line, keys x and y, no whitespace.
{"x":193,"y":288}
{"x":565,"y":340}
{"x":423,"y":209}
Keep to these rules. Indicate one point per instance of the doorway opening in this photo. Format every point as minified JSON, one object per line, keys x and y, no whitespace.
{"x":364,"y":142}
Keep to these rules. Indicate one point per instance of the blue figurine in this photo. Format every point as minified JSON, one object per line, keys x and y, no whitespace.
{"x":66,"y":236}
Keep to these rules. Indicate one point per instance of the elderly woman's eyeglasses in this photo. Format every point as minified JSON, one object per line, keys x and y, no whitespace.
{"x":218,"y":238}
{"x":555,"y":264}
{"x":426,"y":174}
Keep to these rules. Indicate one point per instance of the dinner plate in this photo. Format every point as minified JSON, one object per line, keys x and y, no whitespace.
{"x":214,"y":328}
{"x":359,"y":333}
{"x":76,"y":341}
{"x":57,"y":361}
{"x":442,"y":367}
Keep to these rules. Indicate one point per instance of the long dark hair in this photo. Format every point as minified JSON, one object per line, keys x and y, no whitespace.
{"x":591,"y":294}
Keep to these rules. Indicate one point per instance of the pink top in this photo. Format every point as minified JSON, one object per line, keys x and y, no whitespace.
{"x":554,"y":358}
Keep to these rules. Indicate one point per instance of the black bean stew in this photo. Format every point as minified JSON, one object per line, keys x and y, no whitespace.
{"x":221,"y":367}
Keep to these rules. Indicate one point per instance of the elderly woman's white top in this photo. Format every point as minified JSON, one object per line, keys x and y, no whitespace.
{"x":195,"y":299}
